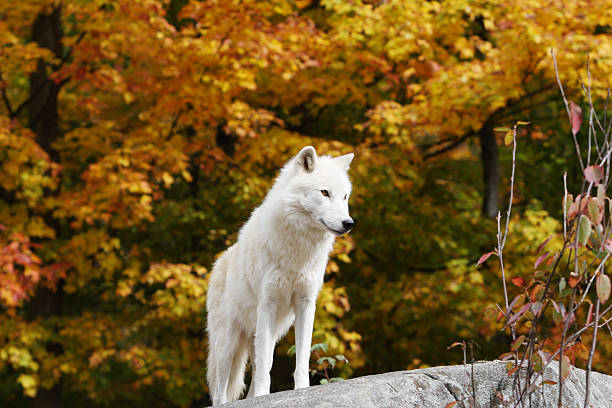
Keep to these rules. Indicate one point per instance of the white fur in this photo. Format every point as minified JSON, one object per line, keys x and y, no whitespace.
{"x":272,"y":275}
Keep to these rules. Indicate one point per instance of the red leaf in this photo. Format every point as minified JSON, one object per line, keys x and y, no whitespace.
{"x":574,"y":207}
{"x":518,"y":281}
{"x":575,"y":117}
{"x":517,"y":315}
{"x":450,"y":404}
{"x":540,"y":259}
{"x":506,"y":356}
{"x":594,"y":174}
{"x":485,"y":257}
{"x":543,"y":244}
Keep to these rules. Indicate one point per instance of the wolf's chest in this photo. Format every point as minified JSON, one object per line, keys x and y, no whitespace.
{"x":298,"y":258}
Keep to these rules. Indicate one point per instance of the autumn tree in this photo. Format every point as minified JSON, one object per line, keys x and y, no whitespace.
{"x":116,"y":126}
{"x":137,"y":136}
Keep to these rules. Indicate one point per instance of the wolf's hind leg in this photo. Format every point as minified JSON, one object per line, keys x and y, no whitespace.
{"x":251,"y":343}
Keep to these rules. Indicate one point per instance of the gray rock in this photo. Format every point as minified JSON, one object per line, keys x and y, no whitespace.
{"x":438,"y":387}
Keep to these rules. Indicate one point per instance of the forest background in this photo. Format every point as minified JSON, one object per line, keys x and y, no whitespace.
{"x":137,"y":136}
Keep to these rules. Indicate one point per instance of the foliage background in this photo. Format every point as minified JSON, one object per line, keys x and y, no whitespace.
{"x":136,"y":137}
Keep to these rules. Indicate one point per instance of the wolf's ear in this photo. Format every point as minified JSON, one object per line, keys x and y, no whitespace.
{"x":306,"y":158}
{"x":345,"y":160}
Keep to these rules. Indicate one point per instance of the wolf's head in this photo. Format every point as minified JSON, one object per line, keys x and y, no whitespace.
{"x":319,"y":187}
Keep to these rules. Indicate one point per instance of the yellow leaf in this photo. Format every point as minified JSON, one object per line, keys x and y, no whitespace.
{"x":29,"y":384}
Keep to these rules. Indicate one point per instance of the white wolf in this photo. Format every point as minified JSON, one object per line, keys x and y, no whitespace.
{"x":272,"y":275}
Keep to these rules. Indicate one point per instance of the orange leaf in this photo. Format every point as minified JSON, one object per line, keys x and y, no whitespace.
{"x":518,"y":281}
{"x":573,"y":280}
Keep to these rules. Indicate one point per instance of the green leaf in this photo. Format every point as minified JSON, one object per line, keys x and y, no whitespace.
{"x":557,"y":317}
{"x":323,"y":381}
{"x":565,"y":367}
{"x":601,"y":195}
{"x":562,"y":284}
{"x":502,"y":129}
{"x":537,"y":364}
{"x":319,"y":346}
{"x":330,"y":360}
{"x":508,"y":138}
{"x":291,"y":351}
{"x":520,"y":122}
{"x":602,"y":286}
{"x":594,"y":211}
{"x":584,"y":230}
{"x":340,"y":357}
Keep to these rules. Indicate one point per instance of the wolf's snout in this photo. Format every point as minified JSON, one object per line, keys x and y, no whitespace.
{"x":348,"y":224}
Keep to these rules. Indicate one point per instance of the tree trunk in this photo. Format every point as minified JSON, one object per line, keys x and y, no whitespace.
{"x":43,"y":116}
{"x":490,"y":171}
{"x":43,"y":121}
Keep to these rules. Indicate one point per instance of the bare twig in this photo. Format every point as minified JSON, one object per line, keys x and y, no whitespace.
{"x":591,"y":353}
{"x":568,"y":318}
{"x":501,"y":241}
{"x":569,"y":115}
{"x":564,"y":206}
{"x":472,"y":376}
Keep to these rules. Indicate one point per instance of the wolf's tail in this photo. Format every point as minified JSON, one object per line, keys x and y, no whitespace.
{"x":227,"y":348}
{"x":235,"y":386}
{"x":236,"y":355}
{"x":211,"y":371}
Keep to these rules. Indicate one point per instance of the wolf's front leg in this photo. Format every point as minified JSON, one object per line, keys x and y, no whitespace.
{"x":304,"y":319}
{"x":264,"y":347}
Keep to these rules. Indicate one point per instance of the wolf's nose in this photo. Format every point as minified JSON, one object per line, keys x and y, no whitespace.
{"x":348,"y":224}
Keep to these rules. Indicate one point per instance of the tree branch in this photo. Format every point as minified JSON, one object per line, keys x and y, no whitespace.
{"x":450,"y":146}
{"x":42,"y":85}
{"x":5,"y":98}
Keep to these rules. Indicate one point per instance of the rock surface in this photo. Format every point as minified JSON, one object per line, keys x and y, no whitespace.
{"x":438,"y":387}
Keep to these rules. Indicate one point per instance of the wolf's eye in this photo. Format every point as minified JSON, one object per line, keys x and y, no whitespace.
{"x":325,"y":193}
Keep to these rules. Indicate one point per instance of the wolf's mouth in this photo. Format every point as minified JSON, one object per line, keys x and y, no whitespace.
{"x":331,"y":229}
